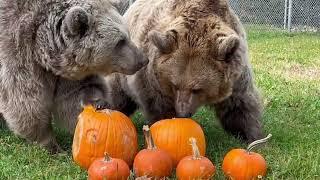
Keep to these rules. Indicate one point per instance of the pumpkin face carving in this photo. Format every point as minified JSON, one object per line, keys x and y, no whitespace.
{"x":172,"y":135}
{"x":103,"y":131}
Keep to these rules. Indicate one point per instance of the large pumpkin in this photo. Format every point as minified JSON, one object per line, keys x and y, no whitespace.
{"x":172,"y":135}
{"x":103,"y":131}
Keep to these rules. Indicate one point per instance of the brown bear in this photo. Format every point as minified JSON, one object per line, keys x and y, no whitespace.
{"x":52,"y":58}
{"x":198,"y":56}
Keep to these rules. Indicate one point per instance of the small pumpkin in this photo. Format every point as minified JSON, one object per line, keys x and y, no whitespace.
{"x":195,"y":166}
{"x":152,"y":162}
{"x":241,"y":164}
{"x":100,"y":131}
{"x":108,"y":168}
{"x":172,"y":135}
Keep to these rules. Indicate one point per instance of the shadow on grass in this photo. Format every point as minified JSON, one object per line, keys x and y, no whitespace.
{"x":63,"y":137}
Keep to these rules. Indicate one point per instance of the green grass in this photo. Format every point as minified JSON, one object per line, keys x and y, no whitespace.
{"x":287,"y":70}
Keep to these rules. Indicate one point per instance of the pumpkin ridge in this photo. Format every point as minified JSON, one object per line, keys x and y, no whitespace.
{"x":131,"y":127}
{"x":110,"y":136}
{"x":180,"y":140}
{"x":92,"y":145}
{"x":122,"y":126}
{"x":77,"y":139}
{"x":105,"y":134}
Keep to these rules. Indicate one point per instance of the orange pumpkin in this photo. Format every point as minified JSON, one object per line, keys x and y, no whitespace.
{"x":195,"y":166}
{"x":152,"y":162}
{"x":108,"y":168}
{"x":172,"y":135}
{"x":103,"y":131}
{"x":240,"y":164}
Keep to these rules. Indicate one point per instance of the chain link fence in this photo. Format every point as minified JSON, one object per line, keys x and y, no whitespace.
{"x":289,"y":15}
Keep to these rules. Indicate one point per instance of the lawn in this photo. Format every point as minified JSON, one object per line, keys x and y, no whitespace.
{"x":287,"y":71}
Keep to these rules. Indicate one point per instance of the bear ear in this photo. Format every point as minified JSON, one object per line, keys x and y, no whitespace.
{"x":120,"y":6}
{"x":77,"y":21}
{"x":227,"y":46}
{"x":165,"y":42}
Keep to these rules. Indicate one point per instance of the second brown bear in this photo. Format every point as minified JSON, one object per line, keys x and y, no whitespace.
{"x":198,"y":56}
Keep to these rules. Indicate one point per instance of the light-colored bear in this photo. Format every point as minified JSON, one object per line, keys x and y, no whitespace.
{"x":52,"y":56}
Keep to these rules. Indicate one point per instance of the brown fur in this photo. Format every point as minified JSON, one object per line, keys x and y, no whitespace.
{"x":198,"y":56}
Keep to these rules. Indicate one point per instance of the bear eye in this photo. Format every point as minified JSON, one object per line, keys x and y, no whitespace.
{"x":121,"y":43}
{"x":174,"y":87}
{"x":196,"y":91}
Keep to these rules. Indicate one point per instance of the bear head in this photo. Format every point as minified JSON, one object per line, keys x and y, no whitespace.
{"x":197,"y":62}
{"x":93,"y":39}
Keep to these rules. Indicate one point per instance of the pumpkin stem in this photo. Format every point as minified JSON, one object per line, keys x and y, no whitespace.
{"x":195,"y":149}
{"x":148,"y":137}
{"x":107,"y":111}
{"x":258,"y":142}
{"x":107,"y":157}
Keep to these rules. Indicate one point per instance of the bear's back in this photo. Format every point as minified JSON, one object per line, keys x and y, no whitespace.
{"x":20,"y":23}
{"x":161,"y":15}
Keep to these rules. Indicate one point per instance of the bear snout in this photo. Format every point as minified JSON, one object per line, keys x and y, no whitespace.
{"x":183,"y":109}
{"x":184,"y":104}
{"x":184,"y":114}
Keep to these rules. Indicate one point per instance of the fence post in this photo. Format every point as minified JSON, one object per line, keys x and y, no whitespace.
{"x":289,"y":15}
{"x":285,"y":18}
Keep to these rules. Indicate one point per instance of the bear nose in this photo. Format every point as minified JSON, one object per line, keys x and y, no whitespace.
{"x":184,"y":114}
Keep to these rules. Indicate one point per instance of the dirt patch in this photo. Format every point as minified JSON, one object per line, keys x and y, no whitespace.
{"x":297,"y":71}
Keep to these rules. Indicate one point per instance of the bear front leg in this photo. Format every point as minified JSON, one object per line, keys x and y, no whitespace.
{"x":118,"y":96}
{"x":72,"y":96}
{"x":240,"y":115}
{"x":157,"y":108}
{"x":93,"y":96}
{"x":31,"y":121}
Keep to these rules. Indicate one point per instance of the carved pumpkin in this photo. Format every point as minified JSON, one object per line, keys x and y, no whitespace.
{"x":152,"y":162}
{"x":172,"y":135}
{"x":241,"y":164}
{"x":108,"y":168}
{"x":103,"y":131}
{"x":195,"y":166}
